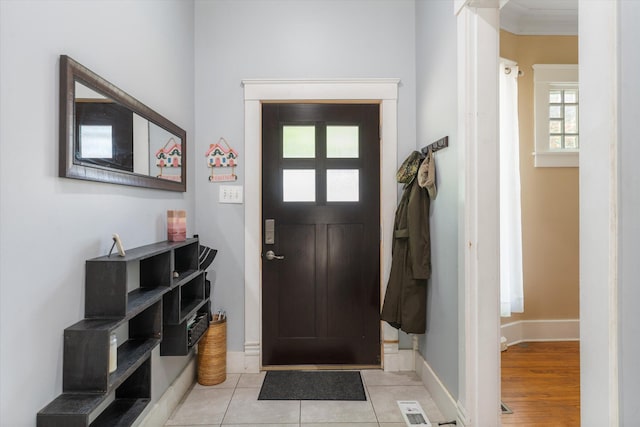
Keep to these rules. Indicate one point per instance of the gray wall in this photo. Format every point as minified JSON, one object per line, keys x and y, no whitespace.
{"x":49,"y":225}
{"x":629,"y":291}
{"x":237,"y":40}
{"x":436,"y":108}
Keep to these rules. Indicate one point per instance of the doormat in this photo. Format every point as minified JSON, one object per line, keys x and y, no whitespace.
{"x":312,"y":385}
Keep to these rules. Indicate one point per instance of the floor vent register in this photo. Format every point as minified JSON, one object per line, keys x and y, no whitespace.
{"x":413,"y":414}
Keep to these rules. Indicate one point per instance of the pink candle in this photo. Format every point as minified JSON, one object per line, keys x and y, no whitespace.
{"x":176,"y":226}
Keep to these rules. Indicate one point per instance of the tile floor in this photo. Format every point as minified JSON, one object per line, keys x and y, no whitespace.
{"x":235,"y":403}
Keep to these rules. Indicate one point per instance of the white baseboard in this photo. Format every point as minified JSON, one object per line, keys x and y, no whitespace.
{"x":462,"y":419}
{"x":541,"y":330}
{"x":446,"y":403}
{"x":240,"y":363}
{"x":164,"y":407}
{"x":403,"y":360}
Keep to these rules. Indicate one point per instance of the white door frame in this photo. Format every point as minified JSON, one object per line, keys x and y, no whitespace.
{"x":383,"y":91}
{"x":599,"y":53}
{"x":479,"y":330}
{"x":479,"y":360}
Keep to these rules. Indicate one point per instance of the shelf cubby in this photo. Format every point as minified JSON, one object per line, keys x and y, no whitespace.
{"x":75,"y":409}
{"x":91,"y":337}
{"x":176,"y":341}
{"x":184,"y":301}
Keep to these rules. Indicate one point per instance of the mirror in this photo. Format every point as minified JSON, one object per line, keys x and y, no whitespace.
{"x":107,"y":135}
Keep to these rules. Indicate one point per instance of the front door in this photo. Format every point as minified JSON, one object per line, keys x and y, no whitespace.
{"x":321,"y":234}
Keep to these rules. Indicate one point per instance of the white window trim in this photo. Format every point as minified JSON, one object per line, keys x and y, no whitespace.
{"x":544,"y":77}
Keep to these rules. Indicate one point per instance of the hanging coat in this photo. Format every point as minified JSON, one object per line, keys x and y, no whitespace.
{"x":406,"y":296}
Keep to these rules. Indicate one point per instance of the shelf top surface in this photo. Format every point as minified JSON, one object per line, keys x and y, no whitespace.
{"x":146,"y":251}
{"x":73,"y":403}
{"x":97,"y":324}
{"x":138,"y":300}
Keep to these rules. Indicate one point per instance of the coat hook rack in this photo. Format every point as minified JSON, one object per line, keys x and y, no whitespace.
{"x":435,"y":146}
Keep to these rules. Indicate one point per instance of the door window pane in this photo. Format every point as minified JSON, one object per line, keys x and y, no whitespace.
{"x":299,"y":142}
{"x":96,"y":142}
{"x":342,"y":141}
{"x":343,"y":185}
{"x":299,"y":185}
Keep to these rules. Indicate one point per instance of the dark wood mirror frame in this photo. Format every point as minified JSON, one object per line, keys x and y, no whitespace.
{"x":70,"y":72}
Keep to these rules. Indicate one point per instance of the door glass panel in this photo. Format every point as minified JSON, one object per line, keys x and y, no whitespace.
{"x":298,"y":142}
{"x":299,"y":185}
{"x":343,"y":185}
{"x":342,"y":142}
{"x":96,"y":142}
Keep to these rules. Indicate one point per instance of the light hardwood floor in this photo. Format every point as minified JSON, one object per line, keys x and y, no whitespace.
{"x":541,"y":384}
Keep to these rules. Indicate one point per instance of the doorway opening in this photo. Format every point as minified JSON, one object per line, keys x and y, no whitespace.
{"x":550,"y":239}
{"x":321,"y":235}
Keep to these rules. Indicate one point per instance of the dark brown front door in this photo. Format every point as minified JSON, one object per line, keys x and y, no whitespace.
{"x":321,"y":234}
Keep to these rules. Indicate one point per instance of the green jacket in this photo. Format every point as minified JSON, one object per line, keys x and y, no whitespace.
{"x":406,"y":295}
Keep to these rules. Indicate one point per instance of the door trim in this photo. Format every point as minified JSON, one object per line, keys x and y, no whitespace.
{"x":383,"y":91}
{"x":479,"y":287}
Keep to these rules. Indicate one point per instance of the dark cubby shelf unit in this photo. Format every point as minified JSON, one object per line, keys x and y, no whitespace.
{"x":132,"y":289}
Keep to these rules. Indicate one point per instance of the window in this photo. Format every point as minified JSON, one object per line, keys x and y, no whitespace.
{"x":96,"y":142}
{"x":336,"y":156}
{"x":557,"y":112}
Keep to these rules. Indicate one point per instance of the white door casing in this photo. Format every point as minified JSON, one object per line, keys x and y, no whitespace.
{"x":479,"y":301}
{"x":384,"y":91}
{"x":479,"y":363}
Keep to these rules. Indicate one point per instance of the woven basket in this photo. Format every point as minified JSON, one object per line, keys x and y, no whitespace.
{"x":212,"y":354}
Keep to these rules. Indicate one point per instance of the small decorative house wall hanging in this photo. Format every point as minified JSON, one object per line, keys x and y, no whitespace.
{"x":221,"y":156}
{"x":169,"y":156}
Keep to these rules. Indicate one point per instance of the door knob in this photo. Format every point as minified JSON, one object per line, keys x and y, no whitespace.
{"x":270,"y":255}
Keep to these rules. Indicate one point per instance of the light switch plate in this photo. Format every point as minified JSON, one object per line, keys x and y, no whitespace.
{"x":230,"y":194}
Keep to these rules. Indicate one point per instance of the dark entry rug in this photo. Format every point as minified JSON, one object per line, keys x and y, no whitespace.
{"x":312,"y":385}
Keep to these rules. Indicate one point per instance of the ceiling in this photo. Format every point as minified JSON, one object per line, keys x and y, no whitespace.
{"x":539,"y":17}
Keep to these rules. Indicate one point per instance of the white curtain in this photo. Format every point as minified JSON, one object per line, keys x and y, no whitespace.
{"x":511,"y":288}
